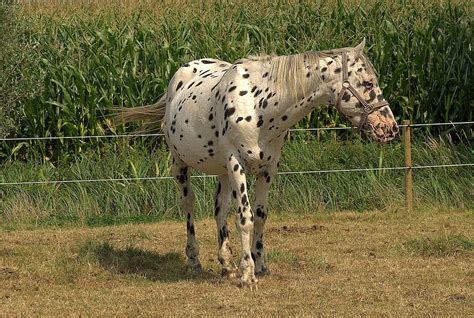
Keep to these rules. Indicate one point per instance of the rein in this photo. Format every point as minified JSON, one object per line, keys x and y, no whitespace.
{"x":346,"y":85}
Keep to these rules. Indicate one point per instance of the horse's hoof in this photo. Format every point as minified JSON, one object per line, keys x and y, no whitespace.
{"x":250,"y":283}
{"x":194,"y":269}
{"x":229,"y":273}
{"x":264,"y":271}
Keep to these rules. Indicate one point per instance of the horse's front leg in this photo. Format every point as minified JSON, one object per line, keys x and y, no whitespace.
{"x":244,"y":219}
{"x":260,"y":207}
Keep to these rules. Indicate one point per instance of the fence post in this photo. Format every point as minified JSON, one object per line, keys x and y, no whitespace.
{"x":408,"y":164}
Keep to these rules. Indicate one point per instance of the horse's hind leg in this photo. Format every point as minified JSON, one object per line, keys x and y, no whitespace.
{"x":221,"y":211}
{"x":181,"y":174}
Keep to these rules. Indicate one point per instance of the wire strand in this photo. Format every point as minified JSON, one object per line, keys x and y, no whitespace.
{"x":161,"y":134}
{"x":456,"y":123}
{"x":212,"y":176}
{"x":81,"y":137}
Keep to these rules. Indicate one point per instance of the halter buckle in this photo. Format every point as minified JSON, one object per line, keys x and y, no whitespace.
{"x":368,"y":108}
{"x":346,"y":84}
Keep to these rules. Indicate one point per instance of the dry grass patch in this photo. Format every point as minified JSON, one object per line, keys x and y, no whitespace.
{"x":326,"y":264}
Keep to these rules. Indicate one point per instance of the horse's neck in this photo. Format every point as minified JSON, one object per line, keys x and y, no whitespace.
{"x":289,"y":108}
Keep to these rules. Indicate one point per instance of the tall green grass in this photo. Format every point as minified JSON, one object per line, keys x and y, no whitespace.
{"x":90,"y":59}
{"x":92,"y":204}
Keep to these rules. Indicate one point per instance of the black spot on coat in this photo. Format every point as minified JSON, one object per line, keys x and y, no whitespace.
{"x":346,"y":97}
{"x":229,"y":112}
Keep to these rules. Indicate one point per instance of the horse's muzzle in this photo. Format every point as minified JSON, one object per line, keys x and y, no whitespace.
{"x":382,"y":133}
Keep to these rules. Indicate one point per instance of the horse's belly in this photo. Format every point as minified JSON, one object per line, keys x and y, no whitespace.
{"x":200,"y":153}
{"x":214,"y":166}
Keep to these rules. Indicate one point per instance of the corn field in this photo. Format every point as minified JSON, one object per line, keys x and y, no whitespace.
{"x":64,"y":65}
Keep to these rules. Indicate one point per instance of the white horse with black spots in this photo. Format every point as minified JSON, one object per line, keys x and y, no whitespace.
{"x":231,"y":120}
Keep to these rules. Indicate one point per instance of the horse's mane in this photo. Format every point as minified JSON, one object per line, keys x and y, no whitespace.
{"x":288,"y":71}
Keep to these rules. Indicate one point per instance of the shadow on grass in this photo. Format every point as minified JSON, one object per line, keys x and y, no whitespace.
{"x":131,"y":261}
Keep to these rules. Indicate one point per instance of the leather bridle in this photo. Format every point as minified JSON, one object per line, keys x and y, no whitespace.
{"x":346,"y":86}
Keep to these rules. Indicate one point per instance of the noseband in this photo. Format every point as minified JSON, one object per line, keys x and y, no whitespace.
{"x":346,"y":85}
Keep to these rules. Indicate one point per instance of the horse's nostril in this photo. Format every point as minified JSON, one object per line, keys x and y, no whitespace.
{"x":395,"y":128}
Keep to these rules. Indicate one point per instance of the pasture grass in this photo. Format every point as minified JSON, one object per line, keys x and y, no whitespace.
{"x":325,"y":264}
{"x":117,"y":202}
{"x":439,"y":246}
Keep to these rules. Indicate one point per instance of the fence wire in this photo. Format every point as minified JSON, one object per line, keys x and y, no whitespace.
{"x":45,"y":182}
{"x":161,"y":134}
{"x":213,"y":176}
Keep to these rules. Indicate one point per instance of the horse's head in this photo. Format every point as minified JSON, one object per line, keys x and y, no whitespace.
{"x":359,"y":97}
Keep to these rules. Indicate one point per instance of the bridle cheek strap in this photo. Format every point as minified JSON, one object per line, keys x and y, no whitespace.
{"x":346,"y":86}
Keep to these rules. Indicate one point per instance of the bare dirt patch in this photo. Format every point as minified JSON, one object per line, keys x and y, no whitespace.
{"x":285,"y":229}
{"x":325,"y":264}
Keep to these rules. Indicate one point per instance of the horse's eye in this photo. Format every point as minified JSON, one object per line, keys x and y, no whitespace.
{"x":368,"y":84}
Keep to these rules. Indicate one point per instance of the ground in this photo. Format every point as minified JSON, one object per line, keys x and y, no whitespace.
{"x":371,"y":263}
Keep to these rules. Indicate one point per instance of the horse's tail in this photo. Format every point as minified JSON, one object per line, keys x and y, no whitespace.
{"x":151,"y":115}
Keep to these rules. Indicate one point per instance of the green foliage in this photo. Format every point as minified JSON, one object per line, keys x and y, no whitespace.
{"x":105,"y":203}
{"x":20,"y":76}
{"x":93,"y":60}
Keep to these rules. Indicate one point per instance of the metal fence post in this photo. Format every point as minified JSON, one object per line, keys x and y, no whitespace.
{"x":408,"y":164}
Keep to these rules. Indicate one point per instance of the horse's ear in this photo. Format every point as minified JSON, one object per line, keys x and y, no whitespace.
{"x":360,"y":47}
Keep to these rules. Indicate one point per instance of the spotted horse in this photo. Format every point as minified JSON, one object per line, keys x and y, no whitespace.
{"x":230,"y":120}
